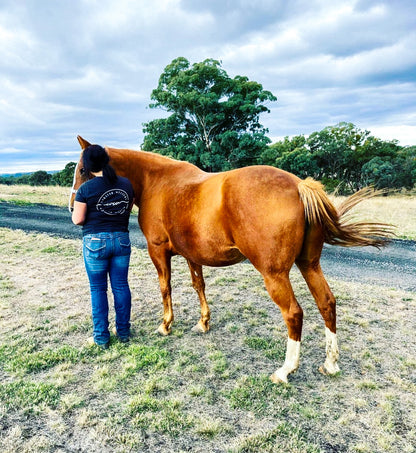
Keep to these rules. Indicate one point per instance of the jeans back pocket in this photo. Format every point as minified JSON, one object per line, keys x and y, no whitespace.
{"x":125,"y":245}
{"x":94,"y":247}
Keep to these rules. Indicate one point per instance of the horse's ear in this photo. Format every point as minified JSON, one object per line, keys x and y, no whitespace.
{"x":84,"y":144}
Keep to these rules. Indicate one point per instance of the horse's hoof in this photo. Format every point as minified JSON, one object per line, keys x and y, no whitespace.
{"x":200,"y":328}
{"x":162,"y":330}
{"x":333,"y":371}
{"x":278,"y":379}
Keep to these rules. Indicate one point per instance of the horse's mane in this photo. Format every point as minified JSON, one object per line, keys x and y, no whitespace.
{"x":147,"y":157}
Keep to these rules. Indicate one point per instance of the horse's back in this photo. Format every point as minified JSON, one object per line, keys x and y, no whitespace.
{"x":263,"y":178}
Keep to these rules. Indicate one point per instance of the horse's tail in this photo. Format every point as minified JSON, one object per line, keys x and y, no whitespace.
{"x":338,"y":227}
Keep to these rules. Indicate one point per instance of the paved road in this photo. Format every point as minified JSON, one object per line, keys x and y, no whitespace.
{"x":393,"y":266}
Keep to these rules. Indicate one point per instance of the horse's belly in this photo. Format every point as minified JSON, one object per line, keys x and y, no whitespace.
{"x":208,"y":253}
{"x":232,"y":256}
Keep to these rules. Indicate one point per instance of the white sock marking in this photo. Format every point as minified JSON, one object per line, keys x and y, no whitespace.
{"x":291,"y":363}
{"x":332,"y":353}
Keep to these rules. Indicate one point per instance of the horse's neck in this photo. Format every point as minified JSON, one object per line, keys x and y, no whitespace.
{"x":131,"y":163}
{"x":144,"y":169}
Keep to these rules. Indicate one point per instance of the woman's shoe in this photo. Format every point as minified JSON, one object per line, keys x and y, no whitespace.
{"x":91,"y":342}
{"x":120,"y":339}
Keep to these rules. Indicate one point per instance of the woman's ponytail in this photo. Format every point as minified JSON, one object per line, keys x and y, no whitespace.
{"x":109,"y":174}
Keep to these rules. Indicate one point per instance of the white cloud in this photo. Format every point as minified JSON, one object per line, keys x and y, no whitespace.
{"x":404,"y":134}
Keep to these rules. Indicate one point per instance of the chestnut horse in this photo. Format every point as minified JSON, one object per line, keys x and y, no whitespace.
{"x":259,"y":213}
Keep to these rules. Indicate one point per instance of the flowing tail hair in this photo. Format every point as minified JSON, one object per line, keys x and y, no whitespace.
{"x":338,"y":227}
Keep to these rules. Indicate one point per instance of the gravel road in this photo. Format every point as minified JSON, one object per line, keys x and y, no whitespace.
{"x":393,"y":266}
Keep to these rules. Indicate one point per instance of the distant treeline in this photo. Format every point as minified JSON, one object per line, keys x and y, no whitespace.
{"x":343,"y":157}
{"x":43,"y":178}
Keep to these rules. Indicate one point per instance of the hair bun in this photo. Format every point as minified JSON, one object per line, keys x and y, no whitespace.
{"x":95,"y":158}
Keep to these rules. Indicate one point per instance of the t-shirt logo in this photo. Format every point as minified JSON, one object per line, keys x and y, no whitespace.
{"x":113,"y":202}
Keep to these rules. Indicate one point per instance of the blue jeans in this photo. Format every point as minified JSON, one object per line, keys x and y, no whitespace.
{"x":108,"y":254}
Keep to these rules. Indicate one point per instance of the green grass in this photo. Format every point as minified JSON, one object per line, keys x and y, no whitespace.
{"x":53,"y":249}
{"x":260,"y":396}
{"x":145,"y":403}
{"x":142,"y":357}
{"x":5,"y":284}
{"x":270,"y":347}
{"x":218,"y":362}
{"x":21,"y":202}
{"x":29,"y":396}
{"x":25,"y":359}
{"x":283,"y":438}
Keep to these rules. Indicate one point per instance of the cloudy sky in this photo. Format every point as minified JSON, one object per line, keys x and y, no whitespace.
{"x":88,"y":67}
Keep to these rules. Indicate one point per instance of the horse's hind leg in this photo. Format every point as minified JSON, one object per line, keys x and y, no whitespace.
{"x":280,"y":290}
{"x":199,"y":286}
{"x":325,"y":300}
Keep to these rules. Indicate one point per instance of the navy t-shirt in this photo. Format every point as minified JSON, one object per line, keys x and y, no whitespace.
{"x":107,"y":205}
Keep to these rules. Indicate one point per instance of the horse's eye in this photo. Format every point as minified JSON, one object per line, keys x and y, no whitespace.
{"x":82,"y":171}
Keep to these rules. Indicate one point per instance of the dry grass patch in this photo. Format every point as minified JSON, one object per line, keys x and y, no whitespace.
{"x":397,"y":210}
{"x":54,"y":195}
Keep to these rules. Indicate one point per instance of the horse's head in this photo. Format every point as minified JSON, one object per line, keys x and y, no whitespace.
{"x":80,"y":174}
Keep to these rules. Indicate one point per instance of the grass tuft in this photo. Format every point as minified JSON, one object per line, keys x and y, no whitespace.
{"x":29,"y":396}
{"x":272,"y":349}
{"x":260,"y":396}
{"x":283,"y":438}
{"x":29,"y":360}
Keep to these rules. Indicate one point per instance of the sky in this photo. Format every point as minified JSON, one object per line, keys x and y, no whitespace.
{"x":88,"y":67}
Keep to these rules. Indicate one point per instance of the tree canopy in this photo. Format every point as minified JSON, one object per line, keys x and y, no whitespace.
{"x":66,"y":176}
{"x":213,"y":119}
{"x":345,"y":157}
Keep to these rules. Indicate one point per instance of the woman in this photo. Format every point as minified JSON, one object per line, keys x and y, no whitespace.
{"x":102,"y":206}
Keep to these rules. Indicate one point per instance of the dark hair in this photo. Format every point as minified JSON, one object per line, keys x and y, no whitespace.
{"x":95,"y":159}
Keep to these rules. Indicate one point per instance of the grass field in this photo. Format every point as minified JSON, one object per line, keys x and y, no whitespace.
{"x":188,"y":392}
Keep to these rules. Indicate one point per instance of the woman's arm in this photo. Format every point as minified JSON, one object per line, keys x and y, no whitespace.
{"x":79,"y":213}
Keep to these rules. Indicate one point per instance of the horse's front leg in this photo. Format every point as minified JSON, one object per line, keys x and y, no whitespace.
{"x":199,"y":285}
{"x":162,"y":260}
